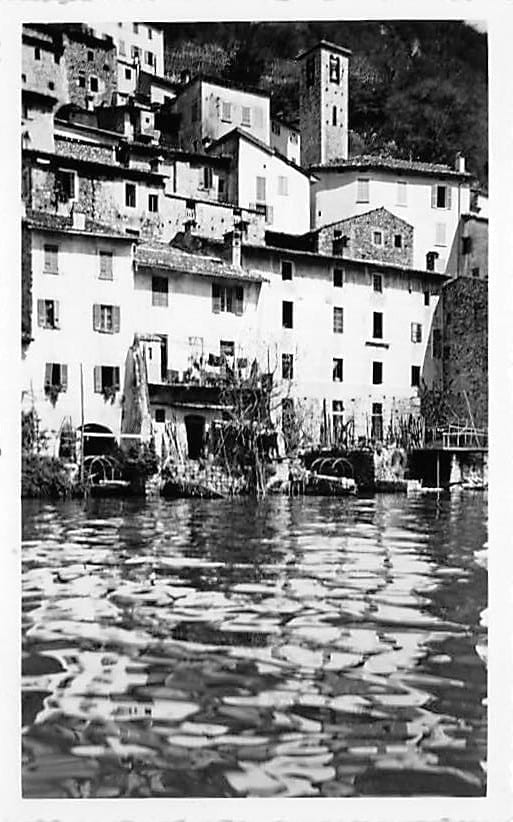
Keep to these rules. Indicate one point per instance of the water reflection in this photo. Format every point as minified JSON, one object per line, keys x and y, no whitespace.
{"x":309,"y":647}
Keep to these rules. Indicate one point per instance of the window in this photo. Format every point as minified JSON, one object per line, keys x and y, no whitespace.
{"x":310,"y":71}
{"x":287,"y":309}
{"x":65,"y":185}
{"x":246,"y":116}
{"x":377,"y":373}
{"x":402,"y":193}
{"x":338,"y":277}
{"x":37,"y":54}
{"x":160,"y":415}
{"x":135,"y":27}
{"x":398,"y":240}
{"x":475,"y":272}
{"x":436,"y":343}
{"x":149,"y":58}
{"x":377,"y":283}
{"x":93,"y":83}
{"x":106,"y":318}
{"x":334,"y":116}
{"x":377,"y":238}
{"x":56,"y":376}
{"x":338,"y":369}
{"x":51,"y":85}
{"x":128,"y":74}
{"x":227,"y":348}
{"x":337,"y":408}
{"x":81,"y":81}
{"x":153,"y":203}
{"x":130,"y":195}
{"x":122,"y":49}
{"x":228,"y":299}
{"x":377,"y":421}
{"x":106,"y":377}
{"x":440,"y":234}
{"x":220,"y":186}
{"x":106,"y":265}
{"x":51,"y":265}
{"x":415,"y":375}
{"x":159,"y":291}
{"x":226,"y":112}
{"x":260,"y":189}
{"x":416,"y":332}
{"x":466,"y":245}
{"x":293,"y":138}
{"x":275,"y":128}
{"x":441,"y":196}
{"x":208,"y":177}
{"x":288,"y":418}
{"x":334,"y":69}
{"x":150,"y":33}
{"x":135,"y":51}
{"x":362,"y":191}
{"x":48,"y":313}
{"x":287,"y":366}
{"x":90,"y":56}
{"x":377,"y":325}
{"x":283,"y":186}
{"x":431,"y":256}
{"x":338,"y":320}
{"x":286,"y":270}
{"x":426,"y":297}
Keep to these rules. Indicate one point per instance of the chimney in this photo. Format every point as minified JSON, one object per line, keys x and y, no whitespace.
{"x":460,"y":163}
{"x":233,"y":243}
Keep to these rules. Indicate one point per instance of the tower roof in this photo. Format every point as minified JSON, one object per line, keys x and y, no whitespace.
{"x":326,"y":45}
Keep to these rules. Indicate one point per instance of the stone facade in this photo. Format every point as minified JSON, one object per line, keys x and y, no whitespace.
{"x":469,"y":253}
{"x":323,"y":104}
{"x":91,"y":69}
{"x":361,"y":240}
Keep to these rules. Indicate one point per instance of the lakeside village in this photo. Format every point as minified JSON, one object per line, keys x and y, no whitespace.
{"x":217,"y":302}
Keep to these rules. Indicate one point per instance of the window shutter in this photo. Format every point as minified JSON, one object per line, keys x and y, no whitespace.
{"x":269,"y":214}
{"x":434,"y":189}
{"x":56,"y":315}
{"x":116,"y":319}
{"x":96,"y":317}
{"x":260,"y":189}
{"x":239,"y":300}
{"x":48,"y":374}
{"x":41,"y":313}
{"x":216,"y":298}
{"x":97,"y":379}
{"x":448,"y":197}
{"x":116,"y":378}
{"x":64,"y":377}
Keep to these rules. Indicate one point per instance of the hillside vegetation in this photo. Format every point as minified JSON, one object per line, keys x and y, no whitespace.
{"x":417,"y":88}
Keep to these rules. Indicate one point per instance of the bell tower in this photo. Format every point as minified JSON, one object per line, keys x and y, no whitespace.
{"x":323,"y":103}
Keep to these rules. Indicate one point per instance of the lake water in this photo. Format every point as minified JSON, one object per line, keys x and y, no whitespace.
{"x":293,"y":647}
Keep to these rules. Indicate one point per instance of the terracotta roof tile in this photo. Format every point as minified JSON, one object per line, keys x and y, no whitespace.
{"x":160,"y":255}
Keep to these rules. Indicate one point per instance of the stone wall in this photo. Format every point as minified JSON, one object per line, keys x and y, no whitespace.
{"x":360,"y":230}
{"x":465,"y":348}
{"x":81,"y":150}
{"x":103,"y":65}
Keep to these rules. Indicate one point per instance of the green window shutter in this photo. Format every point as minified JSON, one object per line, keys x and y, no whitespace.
{"x":97,"y":379}
{"x":48,"y":374}
{"x":56,"y":314}
{"x":96,"y":317}
{"x":64,"y":377}
{"x":116,"y":319}
{"x":434,"y":189}
{"x":41,"y":313}
{"x":216,"y":298}
{"x":116,"y":378}
{"x":448,"y":197}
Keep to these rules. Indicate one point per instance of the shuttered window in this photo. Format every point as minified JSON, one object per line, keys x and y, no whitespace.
{"x":440,"y":235}
{"x":130,"y":195}
{"x":105,"y":377}
{"x":415,"y":375}
{"x":377,"y":373}
{"x":362,"y":190}
{"x":402,"y":193}
{"x":338,"y":369}
{"x":48,"y":313}
{"x":56,"y":376}
{"x":287,"y":314}
{"x":226,"y":112}
{"x":283,"y":186}
{"x":246,"y":116}
{"x":106,"y":265}
{"x":338,"y":277}
{"x":287,"y":366}
{"x":159,"y":291}
{"x":338,"y":320}
{"x":51,"y":262}
{"x":377,"y":325}
{"x":416,"y":332}
{"x":106,"y":318}
{"x":228,"y":299}
{"x":260,"y":189}
{"x":441,"y":196}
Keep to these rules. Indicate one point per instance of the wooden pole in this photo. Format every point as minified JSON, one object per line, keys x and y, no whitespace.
{"x":438,"y":469}
{"x":81,"y":424}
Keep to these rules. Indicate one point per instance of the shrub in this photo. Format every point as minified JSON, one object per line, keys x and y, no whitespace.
{"x":44,"y":477}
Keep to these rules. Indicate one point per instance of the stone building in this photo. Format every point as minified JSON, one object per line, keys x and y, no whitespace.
{"x":324,"y":103}
{"x":43,"y":85}
{"x":90,"y":64}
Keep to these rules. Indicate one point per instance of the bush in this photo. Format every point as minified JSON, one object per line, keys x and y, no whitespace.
{"x":44,"y":477}
{"x":139,"y":463}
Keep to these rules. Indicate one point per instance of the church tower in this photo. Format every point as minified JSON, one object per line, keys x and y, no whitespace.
{"x":323,"y":103}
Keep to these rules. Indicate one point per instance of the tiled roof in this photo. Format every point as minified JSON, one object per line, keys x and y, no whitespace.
{"x":394,"y":164}
{"x":160,"y":255}
{"x":58,"y":222}
{"x":381,"y":210}
{"x":250,"y":138}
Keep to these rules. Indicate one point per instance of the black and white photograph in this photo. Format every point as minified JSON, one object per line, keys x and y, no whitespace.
{"x":253,"y":434}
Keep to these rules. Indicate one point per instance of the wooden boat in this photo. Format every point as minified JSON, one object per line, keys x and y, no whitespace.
{"x":110,"y":488}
